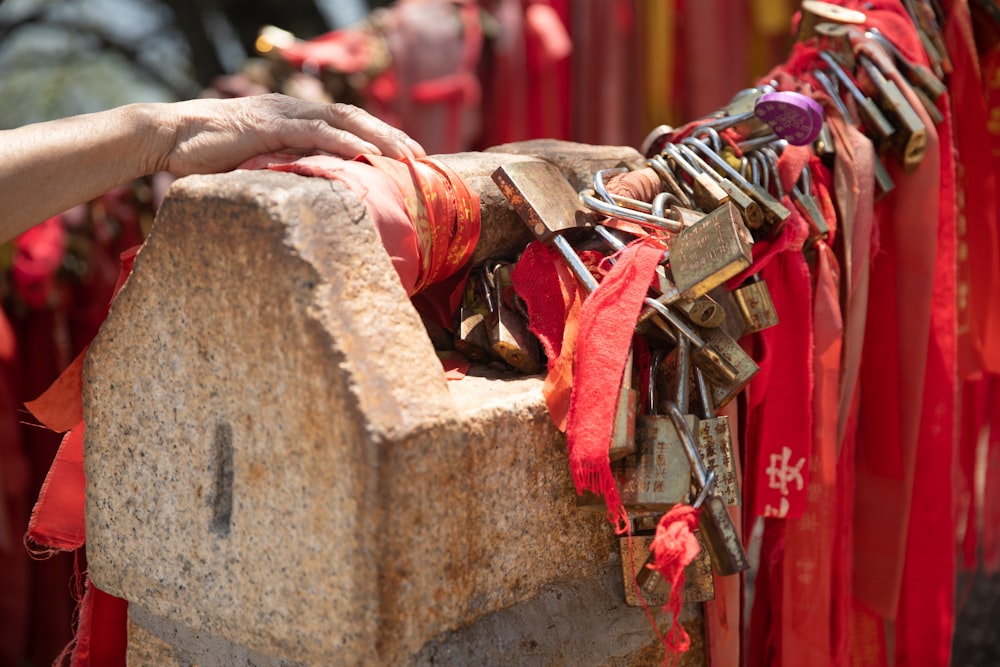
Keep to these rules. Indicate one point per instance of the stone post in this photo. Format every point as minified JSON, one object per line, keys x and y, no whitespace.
{"x":278,"y":474}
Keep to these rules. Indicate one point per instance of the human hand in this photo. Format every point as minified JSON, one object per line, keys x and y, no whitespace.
{"x":212,"y":135}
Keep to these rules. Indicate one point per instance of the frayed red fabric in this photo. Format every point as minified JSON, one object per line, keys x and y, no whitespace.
{"x":607,"y":320}
{"x":674,"y":547}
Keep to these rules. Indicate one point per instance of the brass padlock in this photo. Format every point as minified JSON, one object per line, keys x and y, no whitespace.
{"x":715,"y":443}
{"x":723,"y":541}
{"x":909,"y":142}
{"x":472,"y":335}
{"x":824,"y":146}
{"x":706,"y":192}
{"x":510,"y":339}
{"x":711,"y":252}
{"x":750,"y":210}
{"x":658,"y":476}
{"x":877,"y":125}
{"x":721,"y":358}
{"x":754,"y":301}
{"x":703,"y":311}
{"x":544,"y":200}
{"x":699,"y":584}
{"x":623,"y":434}
{"x":814,"y":12}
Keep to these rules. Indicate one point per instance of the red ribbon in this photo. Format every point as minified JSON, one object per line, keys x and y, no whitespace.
{"x":674,"y":547}
{"x":607,"y":320}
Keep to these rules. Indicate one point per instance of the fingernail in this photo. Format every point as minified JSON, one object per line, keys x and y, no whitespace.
{"x":370,"y":148}
{"x":417,"y":149}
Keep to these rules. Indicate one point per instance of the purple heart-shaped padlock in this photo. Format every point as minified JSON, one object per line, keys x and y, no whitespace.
{"x":794,"y":117}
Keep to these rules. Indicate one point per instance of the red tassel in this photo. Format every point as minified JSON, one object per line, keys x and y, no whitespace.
{"x":674,"y":547}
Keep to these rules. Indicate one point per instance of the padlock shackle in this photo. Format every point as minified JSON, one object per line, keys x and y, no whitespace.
{"x":656,"y":358}
{"x":618,"y":211}
{"x":705,"y":393}
{"x":687,"y":439}
{"x":676,"y":186}
{"x":683,"y":372}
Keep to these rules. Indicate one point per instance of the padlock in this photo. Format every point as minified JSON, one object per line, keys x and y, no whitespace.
{"x":706,"y":192}
{"x":909,"y":142}
{"x":918,"y":75}
{"x":726,"y":386}
{"x":802,"y":195}
{"x":754,"y":300}
{"x":715,"y":444}
{"x":835,"y":39}
{"x":544,"y":199}
{"x":723,"y":541}
{"x":623,"y":434}
{"x":472,"y":335}
{"x":750,"y":210}
{"x":658,"y":474}
{"x":510,"y":340}
{"x":824,"y":146}
{"x":703,"y":311}
{"x":699,"y":584}
{"x":877,"y":125}
{"x":814,"y":12}
{"x":775,"y":213}
{"x":711,"y":252}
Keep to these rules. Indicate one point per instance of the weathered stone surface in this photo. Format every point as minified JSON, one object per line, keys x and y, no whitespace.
{"x":582,"y":622}
{"x":577,"y":162}
{"x":156,"y":642}
{"x":273,"y":457}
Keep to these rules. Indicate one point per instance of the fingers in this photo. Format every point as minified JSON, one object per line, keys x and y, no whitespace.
{"x":315,"y":134}
{"x":345,"y":121}
{"x":392,"y":141}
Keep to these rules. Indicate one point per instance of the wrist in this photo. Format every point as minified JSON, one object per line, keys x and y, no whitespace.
{"x":156,"y":127}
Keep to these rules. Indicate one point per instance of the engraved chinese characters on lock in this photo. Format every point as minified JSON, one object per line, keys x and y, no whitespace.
{"x":707,"y":254}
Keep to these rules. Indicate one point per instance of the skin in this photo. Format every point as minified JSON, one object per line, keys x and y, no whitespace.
{"x":49,"y":167}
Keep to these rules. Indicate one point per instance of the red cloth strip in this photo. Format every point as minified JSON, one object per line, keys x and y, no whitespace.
{"x":808,"y":584}
{"x":57,"y":522}
{"x":607,"y":320}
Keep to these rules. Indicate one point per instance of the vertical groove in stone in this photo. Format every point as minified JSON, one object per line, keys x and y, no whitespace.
{"x":222,"y":466}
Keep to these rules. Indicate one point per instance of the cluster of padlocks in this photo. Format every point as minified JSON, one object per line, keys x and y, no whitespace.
{"x":717,"y":189}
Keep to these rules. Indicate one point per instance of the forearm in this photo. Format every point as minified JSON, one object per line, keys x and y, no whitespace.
{"x":49,"y":167}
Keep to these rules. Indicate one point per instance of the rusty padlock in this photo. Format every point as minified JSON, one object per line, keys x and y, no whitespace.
{"x":721,"y":537}
{"x":754,"y":301}
{"x":715,"y":443}
{"x":711,"y":252}
{"x":472,"y":336}
{"x":510,"y":340}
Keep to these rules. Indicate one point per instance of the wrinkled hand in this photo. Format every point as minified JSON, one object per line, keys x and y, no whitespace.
{"x":213,"y":135}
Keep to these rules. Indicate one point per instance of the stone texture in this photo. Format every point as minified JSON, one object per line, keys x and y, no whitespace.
{"x":156,"y":642}
{"x":274,"y":459}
